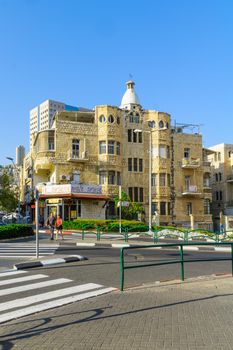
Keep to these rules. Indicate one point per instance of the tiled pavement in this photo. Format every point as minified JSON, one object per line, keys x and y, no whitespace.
{"x":195,"y":315}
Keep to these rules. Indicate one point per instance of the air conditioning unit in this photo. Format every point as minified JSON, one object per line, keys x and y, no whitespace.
{"x":65,"y":177}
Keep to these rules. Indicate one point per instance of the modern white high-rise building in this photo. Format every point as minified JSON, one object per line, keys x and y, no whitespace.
{"x":222,"y":185}
{"x":41,"y":116}
{"x":19,"y":155}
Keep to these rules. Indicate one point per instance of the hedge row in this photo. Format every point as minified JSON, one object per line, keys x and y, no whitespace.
{"x":15,"y":231}
{"x":110,"y":225}
{"x":104,"y":225}
{"x":127,"y":225}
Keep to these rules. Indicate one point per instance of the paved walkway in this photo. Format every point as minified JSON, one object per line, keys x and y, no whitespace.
{"x":194,"y":315}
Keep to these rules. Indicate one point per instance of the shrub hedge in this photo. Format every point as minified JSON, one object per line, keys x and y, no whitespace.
{"x":110,"y":225}
{"x":104,"y":225}
{"x":127,"y":226}
{"x":15,"y":231}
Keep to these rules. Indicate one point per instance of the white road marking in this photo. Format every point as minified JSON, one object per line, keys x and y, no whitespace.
{"x":21,"y":256}
{"x":33,"y":286}
{"x":12,"y":272}
{"x":26,"y":248}
{"x":22,"y":279}
{"x":46,"y":296}
{"x":52,"y":304}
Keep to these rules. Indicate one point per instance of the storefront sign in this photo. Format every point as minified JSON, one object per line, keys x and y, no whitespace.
{"x":72,"y":189}
{"x":53,"y":201}
{"x":73,"y":214}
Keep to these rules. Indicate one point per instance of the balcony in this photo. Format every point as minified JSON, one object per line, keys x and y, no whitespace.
{"x":230,"y":179}
{"x":206,"y":163}
{"x":206,"y":166}
{"x":191,"y":190}
{"x":191,"y":163}
{"x":206,"y":186}
{"x":77,"y":156}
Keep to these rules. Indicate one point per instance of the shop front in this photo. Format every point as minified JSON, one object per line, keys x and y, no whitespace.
{"x":74,"y":201}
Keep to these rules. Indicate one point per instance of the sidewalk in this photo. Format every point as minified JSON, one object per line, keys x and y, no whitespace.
{"x":194,"y":315}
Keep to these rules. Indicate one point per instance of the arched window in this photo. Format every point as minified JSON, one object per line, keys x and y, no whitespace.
{"x":111,"y":119}
{"x":102,"y":119}
{"x":151,"y":124}
{"x":75,"y":148}
{"x":161,"y":124}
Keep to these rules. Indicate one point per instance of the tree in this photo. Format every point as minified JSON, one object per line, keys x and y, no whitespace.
{"x":131,"y":212}
{"x":8,"y":198}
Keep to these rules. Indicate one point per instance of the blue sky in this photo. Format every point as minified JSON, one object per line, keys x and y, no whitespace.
{"x":179,"y":52}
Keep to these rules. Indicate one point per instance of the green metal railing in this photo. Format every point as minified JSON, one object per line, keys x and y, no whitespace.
{"x":181,"y":261}
{"x":185,"y":235}
{"x":97,"y":233}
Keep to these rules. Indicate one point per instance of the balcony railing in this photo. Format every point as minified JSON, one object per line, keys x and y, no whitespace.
{"x":190,"y":190}
{"x":206,"y":163}
{"x":77,"y":156}
{"x":191,"y":162}
{"x":206,"y":185}
{"x":230,"y":179}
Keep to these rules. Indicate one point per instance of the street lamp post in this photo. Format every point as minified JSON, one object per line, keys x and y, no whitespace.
{"x":18,"y":180}
{"x":37,"y":221}
{"x":150,"y":232}
{"x":150,"y":172}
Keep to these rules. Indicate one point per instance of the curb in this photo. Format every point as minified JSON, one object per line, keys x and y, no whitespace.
{"x":103,"y":245}
{"x":41,"y":263}
{"x":122,"y":245}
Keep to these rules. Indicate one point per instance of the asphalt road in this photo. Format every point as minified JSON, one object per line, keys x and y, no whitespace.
{"x":103,"y":265}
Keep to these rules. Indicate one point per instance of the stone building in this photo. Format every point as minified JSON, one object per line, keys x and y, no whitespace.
{"x":80,"y":162}
{"x":222,"y":185}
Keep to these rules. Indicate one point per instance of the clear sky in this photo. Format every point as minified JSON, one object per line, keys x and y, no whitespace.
{"x":180,"y":53}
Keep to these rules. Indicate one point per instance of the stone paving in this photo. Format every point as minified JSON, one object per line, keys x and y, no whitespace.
{"x":194,"y":315}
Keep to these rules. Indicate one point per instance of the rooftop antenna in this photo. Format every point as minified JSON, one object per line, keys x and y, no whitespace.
{"x":130,"y":76}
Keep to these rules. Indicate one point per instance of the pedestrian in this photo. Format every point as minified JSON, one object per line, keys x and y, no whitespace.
{"x":51,"y":223}
{"x":59,"y":227}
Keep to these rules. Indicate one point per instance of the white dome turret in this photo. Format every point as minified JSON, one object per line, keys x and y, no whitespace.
{"x":130,"y":97}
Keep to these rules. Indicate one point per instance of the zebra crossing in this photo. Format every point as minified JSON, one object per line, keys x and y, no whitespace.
{"x":18,"y":305}
{"x":21,"y":250}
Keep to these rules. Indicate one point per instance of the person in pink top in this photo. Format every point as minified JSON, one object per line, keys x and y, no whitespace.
{"x":59,"y":227}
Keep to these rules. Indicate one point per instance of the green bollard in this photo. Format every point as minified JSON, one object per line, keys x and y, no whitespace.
{"x":83,"y":234}
{"x":126,"y":234}
{"x":155,"y":236}
{"x":98,"y":234}
{"x":122,"y":266}
{"x":181,"y":263}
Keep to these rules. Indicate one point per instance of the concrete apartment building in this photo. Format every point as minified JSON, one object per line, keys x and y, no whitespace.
{"x":41,"y":116}
{"x":19,"y":155}
{"x":82,"y":159}
{"x":222,"y":185}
